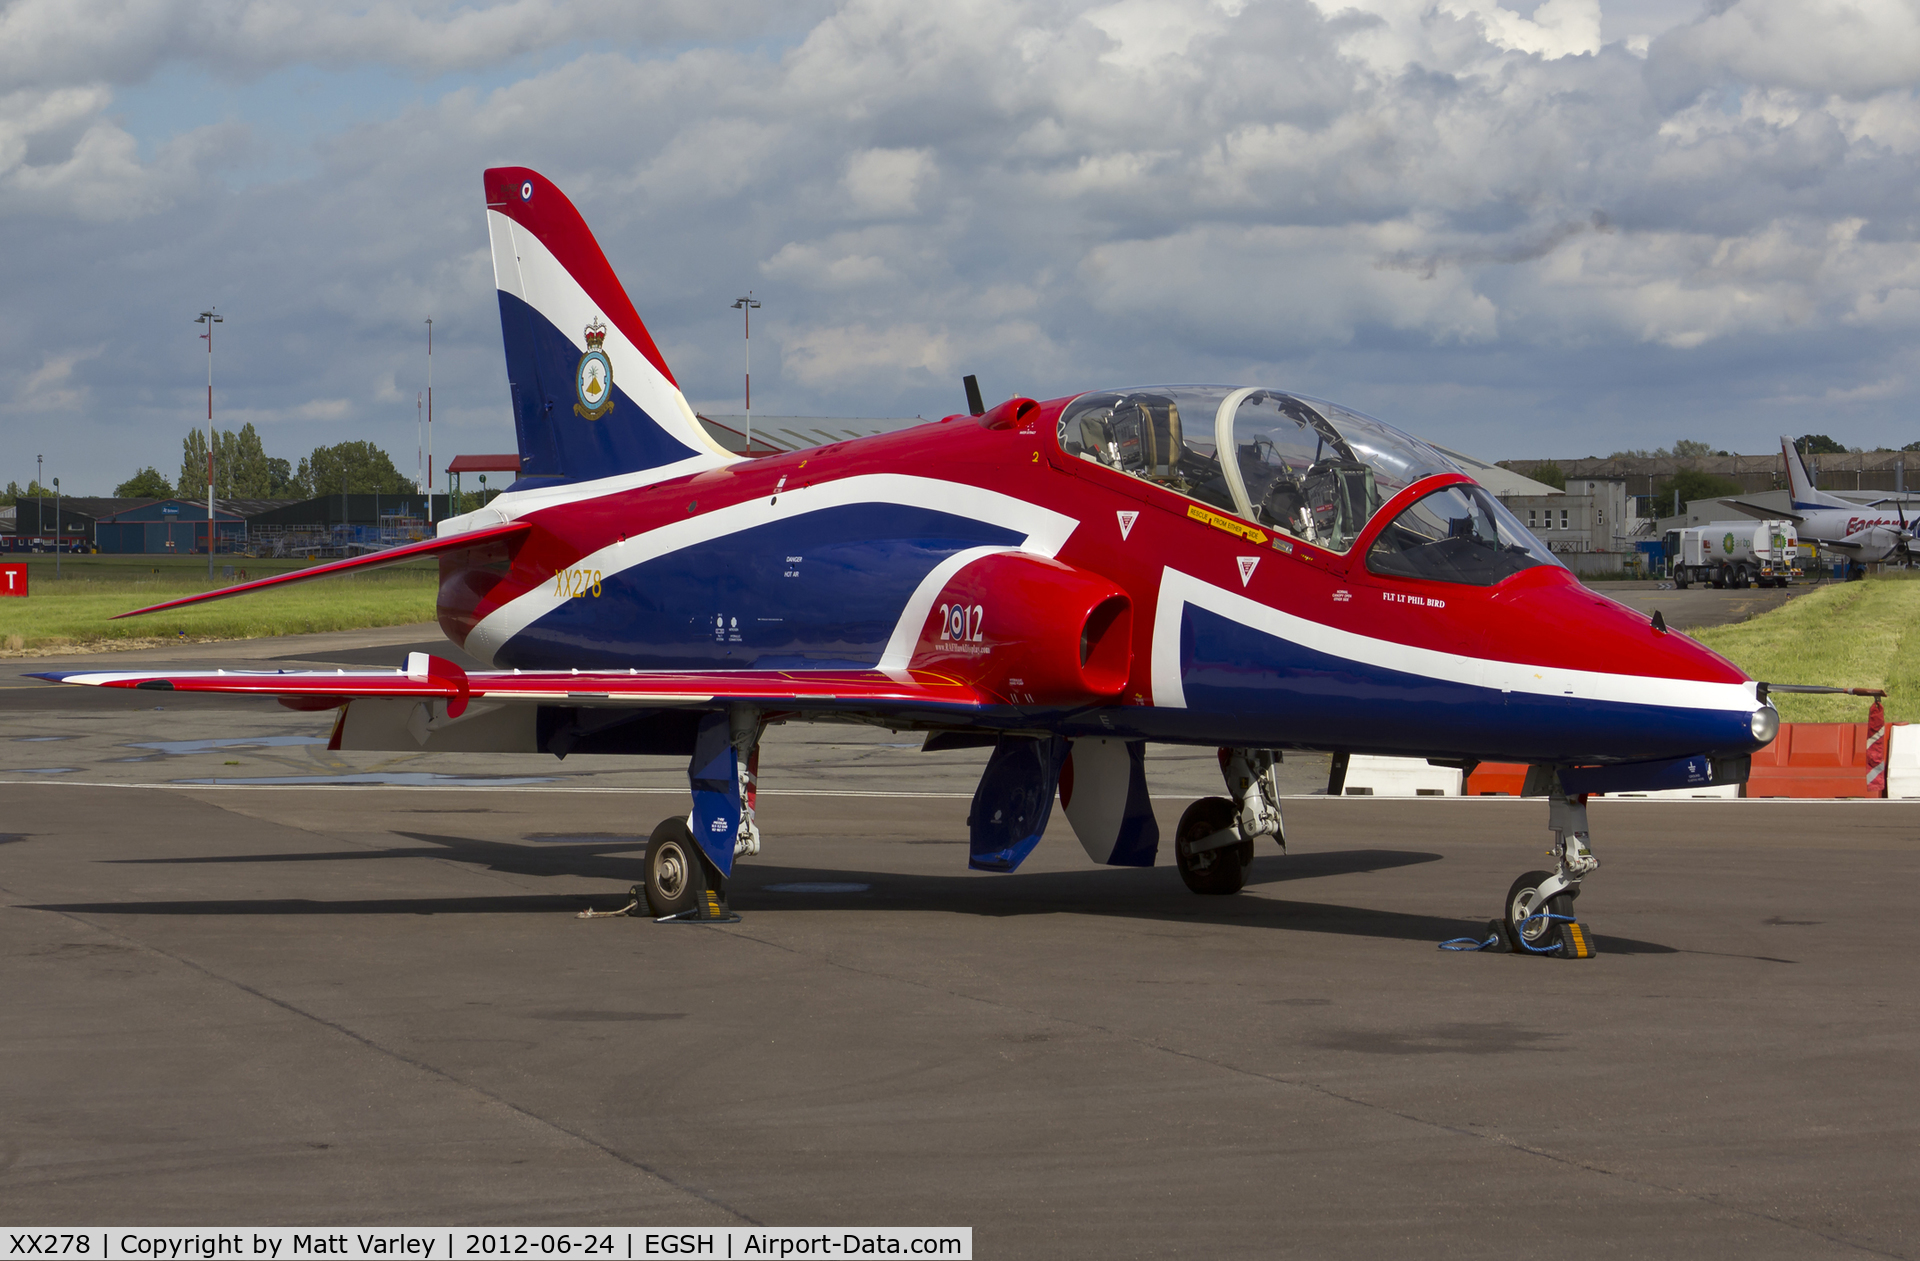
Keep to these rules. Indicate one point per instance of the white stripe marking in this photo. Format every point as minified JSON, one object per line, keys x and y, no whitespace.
{"x":1177,"y":590}
{"x":1045,"y":533}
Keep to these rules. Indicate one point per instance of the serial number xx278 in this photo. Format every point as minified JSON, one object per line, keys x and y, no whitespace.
{"x":576,"y":584}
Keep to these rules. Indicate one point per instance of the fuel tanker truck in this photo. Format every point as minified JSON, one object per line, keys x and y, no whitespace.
{"x":1735,"y":554}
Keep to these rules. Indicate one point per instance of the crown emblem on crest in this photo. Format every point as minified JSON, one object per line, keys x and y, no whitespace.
{"x":593,"y":378}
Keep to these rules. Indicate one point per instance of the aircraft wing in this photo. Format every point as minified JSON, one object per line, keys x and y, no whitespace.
{"x":372,"y":560}
{"x":431,"y":678}
{"x":1764,"y":514}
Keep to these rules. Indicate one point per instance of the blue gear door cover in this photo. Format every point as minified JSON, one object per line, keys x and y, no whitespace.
{"x":1013,"y":802}
{"x":714,"y":776}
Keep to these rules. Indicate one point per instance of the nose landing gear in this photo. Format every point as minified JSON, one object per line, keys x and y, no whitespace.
{"x":1538,"y":913}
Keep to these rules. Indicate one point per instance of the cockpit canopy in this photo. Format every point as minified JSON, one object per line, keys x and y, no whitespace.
{"x":1307,"y":468}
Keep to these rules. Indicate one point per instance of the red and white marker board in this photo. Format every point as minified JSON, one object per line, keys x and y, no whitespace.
{"x":13,"y":579}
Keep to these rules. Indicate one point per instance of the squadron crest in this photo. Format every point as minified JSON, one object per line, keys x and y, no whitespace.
{"x":593,"y":379}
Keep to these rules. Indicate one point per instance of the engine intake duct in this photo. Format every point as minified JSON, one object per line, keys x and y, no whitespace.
{"x":1031,"y":631}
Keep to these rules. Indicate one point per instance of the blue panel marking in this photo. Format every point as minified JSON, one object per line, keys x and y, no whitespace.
{"x":1692,"y":772}
{"x":556,"y":444}
{"x":1228,"y":669}
{"x":714,"y":775}
{"x":1013,"y":802}
{"x":730,"y":603}
{"x":1139,"y":840}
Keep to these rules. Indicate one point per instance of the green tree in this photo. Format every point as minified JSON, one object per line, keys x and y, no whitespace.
{"x":1689,"y":449}
{"x":1911,"y":446}
{"x":1691,"y":484}
{"x":241,"y":465}
{"x":32,"y":490}
{"x":1550,"y":474}
{"x":352,"y":468}
{"x":281,"y":483}
{"x":1818,"y":444}
{"x":193,"y":466}
{"x":148,"y":483}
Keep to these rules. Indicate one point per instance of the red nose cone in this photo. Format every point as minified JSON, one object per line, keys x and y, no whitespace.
{"x":1546,"y":617}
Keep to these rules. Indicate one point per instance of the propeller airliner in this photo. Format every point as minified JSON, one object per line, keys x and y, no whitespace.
{"x":1064,"y":581}
{"x":1866,"y":533}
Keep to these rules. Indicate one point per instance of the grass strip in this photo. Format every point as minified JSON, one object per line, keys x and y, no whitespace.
{"x":75,"y":611}
{"x":1851,"y":634}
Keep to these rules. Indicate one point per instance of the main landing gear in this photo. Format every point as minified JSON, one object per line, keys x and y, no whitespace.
{"x":690,"y":857}
{"x":1539,"y":908}
{"x":1213,"y":846}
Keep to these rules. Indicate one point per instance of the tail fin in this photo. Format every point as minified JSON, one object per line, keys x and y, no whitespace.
{"x":1801,"y":485}
{"x":592,"y":395}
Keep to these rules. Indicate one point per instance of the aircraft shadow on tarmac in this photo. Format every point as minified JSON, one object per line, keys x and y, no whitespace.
{"x":1128,"y":892}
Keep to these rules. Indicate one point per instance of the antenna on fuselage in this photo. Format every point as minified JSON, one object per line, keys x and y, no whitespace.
{"x":975,"y":406}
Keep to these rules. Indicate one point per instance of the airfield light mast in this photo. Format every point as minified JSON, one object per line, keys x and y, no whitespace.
{"x":747,"y":306}
{"x":429,"y":420}
{"x":419,"y":447}
{"x":208,"y":318}
{"x":40,"y":494}
{"x":56,"y":528}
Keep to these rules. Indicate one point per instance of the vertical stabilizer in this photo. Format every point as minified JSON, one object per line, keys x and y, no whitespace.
{"x":592,"y":395}
{"x":1804,"y":494}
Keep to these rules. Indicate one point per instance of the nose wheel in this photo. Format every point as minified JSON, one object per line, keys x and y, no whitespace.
{"x":1524,"y":901}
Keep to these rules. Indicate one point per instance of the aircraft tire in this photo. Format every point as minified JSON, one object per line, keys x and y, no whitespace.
{"x":1520,"y":904}
{"x":1215,"y":871}
{"x":676,"y":871}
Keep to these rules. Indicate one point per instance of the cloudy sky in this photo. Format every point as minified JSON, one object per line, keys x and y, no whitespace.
{"x":1553,"y":228}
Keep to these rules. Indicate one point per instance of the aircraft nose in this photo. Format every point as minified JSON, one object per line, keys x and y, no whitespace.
{"x":1631,"y":691}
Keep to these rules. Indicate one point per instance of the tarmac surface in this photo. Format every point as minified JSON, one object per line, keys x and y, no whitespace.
{"x":1699,"y":605}
{"x":359,"y":995}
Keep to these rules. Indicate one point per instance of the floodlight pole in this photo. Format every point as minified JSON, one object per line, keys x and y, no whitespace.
{"x":429,"y":421}
{"x":747,"y":306}
{"x":39,"y":495}
{"x":56,"y":528}
{"x":208,"y":318}
{"x":419,"y":447}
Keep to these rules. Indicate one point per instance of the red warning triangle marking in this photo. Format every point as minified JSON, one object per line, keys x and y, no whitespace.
{"x":1246,"y":568}
{"x":1126,"y":523}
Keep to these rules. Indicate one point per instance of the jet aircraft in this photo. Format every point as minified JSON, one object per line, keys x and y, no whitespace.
{"x":1062,"y":581}
{"x":1873,"y":532}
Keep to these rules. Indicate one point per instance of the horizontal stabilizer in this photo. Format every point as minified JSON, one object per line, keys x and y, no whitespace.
{"x":355,"y":564}
{"x":1763,"y":513}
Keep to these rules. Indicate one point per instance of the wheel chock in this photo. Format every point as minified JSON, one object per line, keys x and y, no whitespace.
{"x":712,"y":908}
{"x":1502,"y":943}
{"x":1576,"y":940}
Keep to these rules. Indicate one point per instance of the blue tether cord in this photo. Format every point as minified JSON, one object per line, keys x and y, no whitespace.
{"x":1474,"y":943}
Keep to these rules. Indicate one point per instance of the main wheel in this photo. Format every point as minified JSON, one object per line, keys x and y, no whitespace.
{"x":1679,"y":581}
{"x":676,"y":871}
{"x":1523,"y":900}
{"x":1222,"y":870}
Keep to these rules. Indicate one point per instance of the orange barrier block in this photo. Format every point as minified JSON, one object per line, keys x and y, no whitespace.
{"x":1494,"y":779}
{"x":1807,"y":759}
{"x":1814,"y":759}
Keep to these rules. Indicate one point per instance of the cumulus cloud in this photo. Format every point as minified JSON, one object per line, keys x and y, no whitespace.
{"x":1476,"y":218}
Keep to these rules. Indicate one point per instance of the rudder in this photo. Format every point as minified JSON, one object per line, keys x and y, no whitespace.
{"x":592,"y":395}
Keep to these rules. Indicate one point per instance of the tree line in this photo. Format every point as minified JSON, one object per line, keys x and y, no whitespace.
{"x":242,"y":469}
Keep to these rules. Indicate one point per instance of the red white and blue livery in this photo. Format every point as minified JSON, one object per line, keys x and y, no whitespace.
{"x":1065,"y":581}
